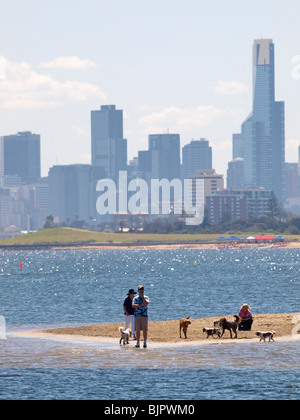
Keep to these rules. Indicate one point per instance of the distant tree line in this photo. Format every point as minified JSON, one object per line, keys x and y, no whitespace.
{"x":260,"y":224}
{"x":277,"y":220}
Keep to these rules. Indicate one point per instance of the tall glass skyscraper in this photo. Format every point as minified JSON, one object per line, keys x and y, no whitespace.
{"x":262,"y":141}
{"x":109,"y":148}
{"x":20,"y":155}
{"x":165,"y":156}
{"x":196,"y":155}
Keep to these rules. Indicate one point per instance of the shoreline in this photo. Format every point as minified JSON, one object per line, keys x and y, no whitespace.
{"x":149,"y":246}
{"x":166,"y":333}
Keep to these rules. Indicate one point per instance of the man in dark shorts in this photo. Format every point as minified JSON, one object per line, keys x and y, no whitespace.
{"x":140,"y":305}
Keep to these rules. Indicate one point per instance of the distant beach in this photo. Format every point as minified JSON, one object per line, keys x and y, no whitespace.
{"x":289,"y":245}
{"x":166,"y":333}
{"x":65,"y":238}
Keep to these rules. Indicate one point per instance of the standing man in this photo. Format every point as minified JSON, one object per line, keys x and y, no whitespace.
{"x":129,"y":312}
{"x":140,"y":305}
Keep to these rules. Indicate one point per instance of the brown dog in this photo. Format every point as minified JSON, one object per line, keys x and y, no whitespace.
{"x":183,"y":325}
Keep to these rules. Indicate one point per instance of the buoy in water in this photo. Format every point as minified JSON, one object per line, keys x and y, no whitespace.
{"x":21,"y":265}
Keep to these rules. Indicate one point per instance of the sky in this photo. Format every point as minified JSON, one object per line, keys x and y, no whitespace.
{"x":173,"y":66}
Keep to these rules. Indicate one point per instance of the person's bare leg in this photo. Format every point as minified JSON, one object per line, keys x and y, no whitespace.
{"x":138,"y":335}
{"x":145,"y":334}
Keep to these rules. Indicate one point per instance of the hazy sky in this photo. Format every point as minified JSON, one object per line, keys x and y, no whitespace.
{"x":178,"y":66}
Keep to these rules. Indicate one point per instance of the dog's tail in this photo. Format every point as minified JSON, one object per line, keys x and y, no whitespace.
{"x":238,"y":319}
{"x":121,"y":330}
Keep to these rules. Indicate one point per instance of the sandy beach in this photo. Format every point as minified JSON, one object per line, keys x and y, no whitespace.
{"x":166,"y":333}
{"x":133,"y":246}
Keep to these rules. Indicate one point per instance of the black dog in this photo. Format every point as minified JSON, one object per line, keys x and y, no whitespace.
{"x":230,"y":326}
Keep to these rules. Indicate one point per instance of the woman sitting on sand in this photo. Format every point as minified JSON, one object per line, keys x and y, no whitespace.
{"x":246,"y":317}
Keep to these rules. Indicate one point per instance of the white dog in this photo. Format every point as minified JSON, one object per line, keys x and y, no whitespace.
{"x":125,"y":335}
{"x":265,"y":334}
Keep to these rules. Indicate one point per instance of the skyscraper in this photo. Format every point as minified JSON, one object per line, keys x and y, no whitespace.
{"x":262,"y":141}
{"x":235,"y":173}
{"x":196,"y":155}
{"x":109,"y":148}
{"x":165,"y":156}
{"x":72,"y":192}
{"x":20,"y":155}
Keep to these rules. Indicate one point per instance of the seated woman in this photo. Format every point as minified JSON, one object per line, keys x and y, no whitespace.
{"x":246,"y":318}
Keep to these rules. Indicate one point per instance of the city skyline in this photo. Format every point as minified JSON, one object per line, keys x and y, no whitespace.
{"x":172,"y":67}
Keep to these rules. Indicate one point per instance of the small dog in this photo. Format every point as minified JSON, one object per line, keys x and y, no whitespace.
{"x":212,"y":332}
{"x":125,"y":335}
{"x":230,"y":326}
{"x":217,"y":324}
{"x":183,"y":325}
{"x":265,"y":334}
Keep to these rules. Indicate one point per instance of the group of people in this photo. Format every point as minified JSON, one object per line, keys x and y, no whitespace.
{"x":136,"y":314}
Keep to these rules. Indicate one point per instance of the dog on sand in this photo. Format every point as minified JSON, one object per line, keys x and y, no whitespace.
{"x":212,"y":332}
{"x":183,"y":325}
{"x":265,"y":334}
{"x":125,"y":334}
{"x":230,"y":326}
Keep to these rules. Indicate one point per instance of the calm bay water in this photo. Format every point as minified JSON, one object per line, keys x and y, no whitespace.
{"x":66,"y":288}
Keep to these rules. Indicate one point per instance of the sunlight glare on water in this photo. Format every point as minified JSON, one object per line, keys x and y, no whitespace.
{"x":67,"y":288}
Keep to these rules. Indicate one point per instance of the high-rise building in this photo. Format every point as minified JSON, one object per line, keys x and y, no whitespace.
{"x":72,"y":192}
{"x":109,"y":148}
{"x":197,"y":155}
{"x":292,"y":180}
{"x":165,"y":156}
{"x":20,"y":155}
{"x":262,"y":141}
{"x":235,"y":173}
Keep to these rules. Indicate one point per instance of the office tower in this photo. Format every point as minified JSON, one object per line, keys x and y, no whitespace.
{"x":237,"y":146}
{"x":235,"y":173}
{"x":165,"y":156}
{"x":262,"y":140}
{"x":292,"y":180}
{"x":144,"y":161}
{"x":72,"y":192}
{"x":109,"y":148}
{"x":197,"y":155}
{"x":20,"y":156}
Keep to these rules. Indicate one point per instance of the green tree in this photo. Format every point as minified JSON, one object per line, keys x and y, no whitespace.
{"x":49,"y":222}
{"x":273,"y":206}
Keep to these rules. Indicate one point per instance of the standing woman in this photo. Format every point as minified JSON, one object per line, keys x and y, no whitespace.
{"x":129,"y":312}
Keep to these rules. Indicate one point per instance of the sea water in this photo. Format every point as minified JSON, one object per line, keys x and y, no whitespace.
{"x":69,"y":288}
